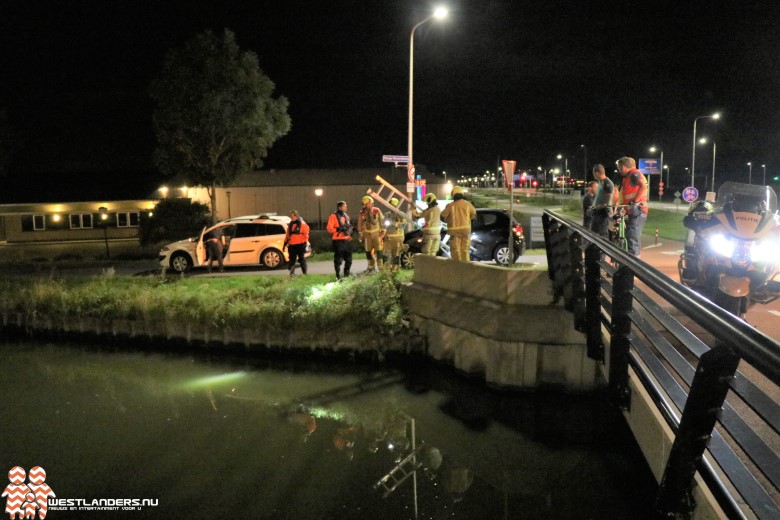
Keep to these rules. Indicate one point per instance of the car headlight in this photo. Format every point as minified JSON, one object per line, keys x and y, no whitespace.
{"x":721,"y":245}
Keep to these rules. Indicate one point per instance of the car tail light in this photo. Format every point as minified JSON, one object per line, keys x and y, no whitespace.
{"x":518,"y":230}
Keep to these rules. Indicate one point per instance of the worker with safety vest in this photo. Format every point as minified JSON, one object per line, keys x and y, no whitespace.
{"x":340,"y":229}
{"x":296,"y":239}
{"x":633,"y":192}
{"x":371,"y":233}
{"x":432,"y":227}
{"x":394,"y":235}
{"x":458,"y":216}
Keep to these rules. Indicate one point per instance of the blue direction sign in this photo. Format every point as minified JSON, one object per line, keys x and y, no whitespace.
{"x":395,"y":158}
{"x":650,"y":166}
{"x":690,"y":194}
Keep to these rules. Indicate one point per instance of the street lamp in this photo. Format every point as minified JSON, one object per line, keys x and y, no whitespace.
{"x":764,"y":167}
{"x":318,"y":193}
{"x":104,"y":222}
{"x":585,"y":162}
{"x":693,"y":154}
{"x":714,"y":147}
{"x":439,"y":13}
{"x":750,"y":173}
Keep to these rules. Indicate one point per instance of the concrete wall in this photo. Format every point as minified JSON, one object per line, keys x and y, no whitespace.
{"x":498,"y":322}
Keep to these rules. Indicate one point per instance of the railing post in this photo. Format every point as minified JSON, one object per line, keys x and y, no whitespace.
{"x":593,"y":303}
{"x":577,"y":285}
{"x":702,"y":408}
{"x":620,"y":341}
{"x":555,"y":238}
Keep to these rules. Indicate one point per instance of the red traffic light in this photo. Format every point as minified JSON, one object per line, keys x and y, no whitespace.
{"x":534,"y":183}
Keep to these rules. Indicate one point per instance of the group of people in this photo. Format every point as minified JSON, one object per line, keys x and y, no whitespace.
{"x":377,"y":231}
{"x":601,"y":197}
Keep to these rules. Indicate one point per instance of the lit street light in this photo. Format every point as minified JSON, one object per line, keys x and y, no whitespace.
{"x":764,"y":167}
{"x":439,"y":13}
{"x":693,"y":154}
{"x":714,"y":147}
{"x":585,"y":162}
{"x":750,"y":173}
{"x":318,"y":193}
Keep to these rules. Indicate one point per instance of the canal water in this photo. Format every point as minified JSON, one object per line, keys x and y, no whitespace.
{"x":220,"y":437}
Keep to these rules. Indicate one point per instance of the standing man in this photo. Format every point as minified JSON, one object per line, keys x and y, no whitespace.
{"x":432,"y":228}
{"x":340,"y":230}
{"x":215,"y":242}
{"x":587,"y":204}
{"x":371,"y":233}
{"x":603,"y":197}
{"x":296,"y":240}
{"x":458,"y":216}
{"x":633,"y":192}
{"x":394,"y":235}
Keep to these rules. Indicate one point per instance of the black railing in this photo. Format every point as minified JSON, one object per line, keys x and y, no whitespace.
{"x":685,"y":351}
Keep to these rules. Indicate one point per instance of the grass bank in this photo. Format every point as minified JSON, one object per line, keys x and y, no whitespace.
{"x":367,"y":304}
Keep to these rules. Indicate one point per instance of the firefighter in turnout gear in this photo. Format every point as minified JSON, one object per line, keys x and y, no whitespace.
{"x":432,"y":228}
{"x":394,"y":225}
{"x":458,"y":216}
{"x":340,"y":229}
{"x":371,"y":233}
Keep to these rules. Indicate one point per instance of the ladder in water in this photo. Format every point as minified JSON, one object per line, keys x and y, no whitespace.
{"x":402,"y":471}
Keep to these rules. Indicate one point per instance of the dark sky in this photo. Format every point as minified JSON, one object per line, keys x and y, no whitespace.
{"x":521,"y":80}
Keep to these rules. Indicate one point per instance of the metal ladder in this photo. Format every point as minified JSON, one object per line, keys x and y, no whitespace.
{"x":402,"y":471}
{"x":405,"y":205}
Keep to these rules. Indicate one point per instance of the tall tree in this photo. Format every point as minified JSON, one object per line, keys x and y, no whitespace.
{"x":215,"y":116}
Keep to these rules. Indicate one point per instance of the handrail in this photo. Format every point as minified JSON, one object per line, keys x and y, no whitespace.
{"x":601,"y":293}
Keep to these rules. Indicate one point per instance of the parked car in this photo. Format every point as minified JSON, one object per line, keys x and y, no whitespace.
{"x":251,"y":240}
{"x":489,"y":239}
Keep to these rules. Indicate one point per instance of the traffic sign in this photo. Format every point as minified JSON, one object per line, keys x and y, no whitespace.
{"x":395,"y":158}
{"x":650,"y":166}
{"x":690,"y":194}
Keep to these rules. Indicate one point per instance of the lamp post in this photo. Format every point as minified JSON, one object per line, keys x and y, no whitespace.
{"x":439,"y":13}
{"x":228,"y":197}
{"x":764,"y":167}
{"x":693,"y":154}
{"x":714,"y":147}
{"x":750,"y":173}
{"x":665,"y":167}
{"x":585,"y":162}
{"x":318,"y":193}
{"x":104,"y":221}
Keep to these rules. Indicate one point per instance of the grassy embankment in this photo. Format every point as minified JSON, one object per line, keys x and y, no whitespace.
{"x":669,"y":223}
{"x":370,"y":304}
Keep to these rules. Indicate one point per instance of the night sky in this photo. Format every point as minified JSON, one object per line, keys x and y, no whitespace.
{"x":497,"y":79}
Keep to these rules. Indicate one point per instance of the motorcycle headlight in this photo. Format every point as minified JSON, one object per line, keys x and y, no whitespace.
{"x":765,"y":251}
{"x":722,"y":245}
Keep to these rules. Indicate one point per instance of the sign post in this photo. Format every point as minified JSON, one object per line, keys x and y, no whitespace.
{"x":509,"y":174}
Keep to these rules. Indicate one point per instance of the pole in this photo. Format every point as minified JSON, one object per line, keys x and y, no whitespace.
{"x":105,"y":236}
{"x":764,"y":167}
{"x":511,"y":242}
{"x":319,"y":211}
{"x":714,"y":147}
{"x":750,"y":173}
{"x":693,"y":154}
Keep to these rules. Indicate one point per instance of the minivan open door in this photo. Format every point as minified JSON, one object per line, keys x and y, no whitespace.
{"x":200,"y":250}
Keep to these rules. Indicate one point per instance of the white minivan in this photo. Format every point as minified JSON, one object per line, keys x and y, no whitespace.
{"x":250,"y":240}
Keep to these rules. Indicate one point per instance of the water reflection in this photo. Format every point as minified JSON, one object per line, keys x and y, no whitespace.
{"x":276,"y":439}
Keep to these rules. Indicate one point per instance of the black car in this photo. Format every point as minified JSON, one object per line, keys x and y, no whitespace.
{"x":489,"y":238}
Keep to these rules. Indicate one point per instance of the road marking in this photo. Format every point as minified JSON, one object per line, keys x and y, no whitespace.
{"x":678,"y":252}
{"x":654,"y":245}
{"x":776,"y":313}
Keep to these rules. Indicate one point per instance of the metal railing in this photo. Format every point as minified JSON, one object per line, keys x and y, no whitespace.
{"x":686,"y":352}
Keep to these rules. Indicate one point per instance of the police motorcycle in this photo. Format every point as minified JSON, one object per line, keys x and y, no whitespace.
{"x":732,"y":250}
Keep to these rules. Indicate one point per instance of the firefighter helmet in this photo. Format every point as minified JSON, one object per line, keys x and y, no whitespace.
{"x":456,"y":190}
{"x":394,"y":202}
{"x":366,"y":199}
{"x":430,"y":198}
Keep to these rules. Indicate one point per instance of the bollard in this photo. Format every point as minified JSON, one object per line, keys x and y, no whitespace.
{"x":656,"y":235}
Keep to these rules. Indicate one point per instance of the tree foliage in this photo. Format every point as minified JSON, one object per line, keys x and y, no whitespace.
{"x":216,"y":116}
{"x":174,"y":219}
